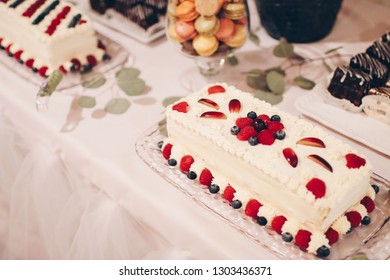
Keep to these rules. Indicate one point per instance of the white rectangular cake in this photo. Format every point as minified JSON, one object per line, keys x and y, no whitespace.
{"x":284,"y":172}
{"x":48,"y":35}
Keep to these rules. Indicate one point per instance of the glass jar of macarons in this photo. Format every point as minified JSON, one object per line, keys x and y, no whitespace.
{"x":207,"y":30}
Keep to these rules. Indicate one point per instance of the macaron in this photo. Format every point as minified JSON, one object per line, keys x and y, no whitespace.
{"x":226,"y":29}
{"x":207,"y":24}
{"x":186,"y":11}
{"x":205,"y":45}
{"x":185,"y":29}
{"x":234,"y":11}
{"x":238,"y":38}
{"x":173,"y":35}
{"x":208,"y":7}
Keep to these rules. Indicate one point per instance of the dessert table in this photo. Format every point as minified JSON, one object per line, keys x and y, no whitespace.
{"x":72,"y":185}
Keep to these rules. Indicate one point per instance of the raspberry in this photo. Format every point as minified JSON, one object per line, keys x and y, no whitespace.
{"x":277,"y":223}
{"x":246,"y":133}
{"x":266,"y":137}
{"x":302,"y":238}
{"x":62,"y":69}
{"x":185,"y":163}
{"x":42,"y":71}
{"x":252,"y":207}
{"x":91,"y":60}
{"x":76,"y":63}
{"x":206,"y":177}
{"x":354,"y":218}
{"x":167,"y":151}
{"x":354,"y":161}
{"x":243,"y":122}
{"x":18,"y":54}
{"x":274,"y":126}
{"x":30,"y":63}
{"x":317,"y":187}
{"x":332,"y":236}
{"x":265,"y":118}
{"x":216,"y":89}
{"x":368,"y":203}
{"x":228,"y":193}
{"x":181,"y":107}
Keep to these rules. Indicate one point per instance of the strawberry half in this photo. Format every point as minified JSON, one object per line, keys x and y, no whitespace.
{"x":186,"y":162}
{"x":252,"y":207}
{"x":228,"y":193}
{"x":277,"y":223}
{"x":181,"y":107}
{"x":317,"y":187}
{"x":206,"y":177}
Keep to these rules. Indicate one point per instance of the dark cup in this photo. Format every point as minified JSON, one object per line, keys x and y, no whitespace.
{"x":299,"y":21}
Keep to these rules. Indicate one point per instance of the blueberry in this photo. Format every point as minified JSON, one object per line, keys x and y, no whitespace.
{"x":172,"y":162}
{"x":86,"y":68}
{"x":214,"y":188}
{"x":323,"y":251}
{"x":280,"y":134}
{"x":252,"y":115}
{"x":253,"y":141}
{"x":275,"y":118}
{"x":349,"y":231}
{"x":366,"y":220}
{"x":2,"y":48}
{"x":21,"y":61}
{"x":106,"y":57}
{"x":287,"y":237}
{"x":10,"y":54}
{"x":235,"y":130}
{"x":375,"y":187}
{"x":259,"y":125}
{"x":160,"y":144}
{"x":262,"y":220}
{"x":236,"y":204}
{"x":35,"y":70}
{"x":74,"y":68}
{"x":191,"y":175}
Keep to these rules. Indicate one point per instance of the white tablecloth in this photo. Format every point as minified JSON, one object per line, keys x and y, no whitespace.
{"x":73,"y":187}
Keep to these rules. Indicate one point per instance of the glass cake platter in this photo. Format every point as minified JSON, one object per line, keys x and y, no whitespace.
{"x":118,"y":54}
{"x":371,"y":242}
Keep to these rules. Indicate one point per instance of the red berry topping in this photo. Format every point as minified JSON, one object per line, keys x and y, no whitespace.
{"x":62,"y":69}
{"x":76,"y":63}
{"x":206,"y":177}
{"x":228,"y":193}
{"x":265,"y":118}
{"x":277,"y":223}
{"x":167,"y":151}
{"x":354,"y":161}
{"x":354,"y":218}
{"x":246,"y":133}
{"x":368,"y":203}
{"x":8,"y":49}
{"x":290,"y":156}
{"x":317,"y":187}
{"x":332,"y":236}
{"x":42,"y":71}
{"x":216,"y":89}
{"x":213,"y":115}
{"x":266,"y":137}
{"x":18,"y":54}
{"x":302,"y":238}
{"x":30,"y":63}
{"x":243,"y":122}
{"x":274,"y":126}
{"x":252,"y":207}
{"x":91,"y":60}
{"x":186,"y":162}
{"x":234,"y":106}
{"x":181,"y":107}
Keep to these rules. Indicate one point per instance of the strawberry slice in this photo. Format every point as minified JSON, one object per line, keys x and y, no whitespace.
{"x":216,"y":89}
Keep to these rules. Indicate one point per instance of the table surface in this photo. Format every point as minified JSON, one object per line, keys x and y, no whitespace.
{"x":101,"y":146}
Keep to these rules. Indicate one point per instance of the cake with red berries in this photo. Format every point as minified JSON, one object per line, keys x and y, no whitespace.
{"x":278,"y":169}
{"x":48,"y":35}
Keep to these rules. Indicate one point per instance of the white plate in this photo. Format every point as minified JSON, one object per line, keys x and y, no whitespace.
{"x":355,"y":125}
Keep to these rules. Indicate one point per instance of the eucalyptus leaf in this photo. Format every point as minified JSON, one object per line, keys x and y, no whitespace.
{"x":327,"y":67}
{"x":128,"y":73}
{"x":277,"y":69}
{"x":117,"y":106}
{"x":131,"y":87}
{"x":297,"y":57}
{"x":304,"y":83}
{"x":254,"y":38}
{"x":93,"y":80}
{"x":162,"y":127}
{"x":170,"y":100}
{"x":269,"y":97}
{"x":232,"y":59}
{"x":275,"y":82}
{"x":283,"y":49}
{"x":87,"y":101}
{"x":333,"y":50}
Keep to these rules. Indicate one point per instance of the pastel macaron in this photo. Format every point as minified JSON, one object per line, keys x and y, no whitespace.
{"x":207,"y":24}
{"x":208,"y":7}
{"x":173,"y":35}
{"x":226,"y":29}
{"x":234,"y":11}
{"x":205,"y":45}
{"x":186,"y":11}
{"x":185,"y":29}
{"x":238,"y":38}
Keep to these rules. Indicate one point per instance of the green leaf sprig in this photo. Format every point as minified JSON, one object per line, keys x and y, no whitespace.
{"x":270,"y":83}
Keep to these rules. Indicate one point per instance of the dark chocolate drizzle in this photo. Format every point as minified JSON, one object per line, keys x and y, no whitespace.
{"x":381,"y":51}
{"x":371,"y":66}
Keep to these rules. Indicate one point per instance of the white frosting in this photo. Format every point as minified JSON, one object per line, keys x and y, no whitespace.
{"x":316,"y":241}
{"x":51,"y":51}
{"x":341,"y":225}
{"x":261,"y":172}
